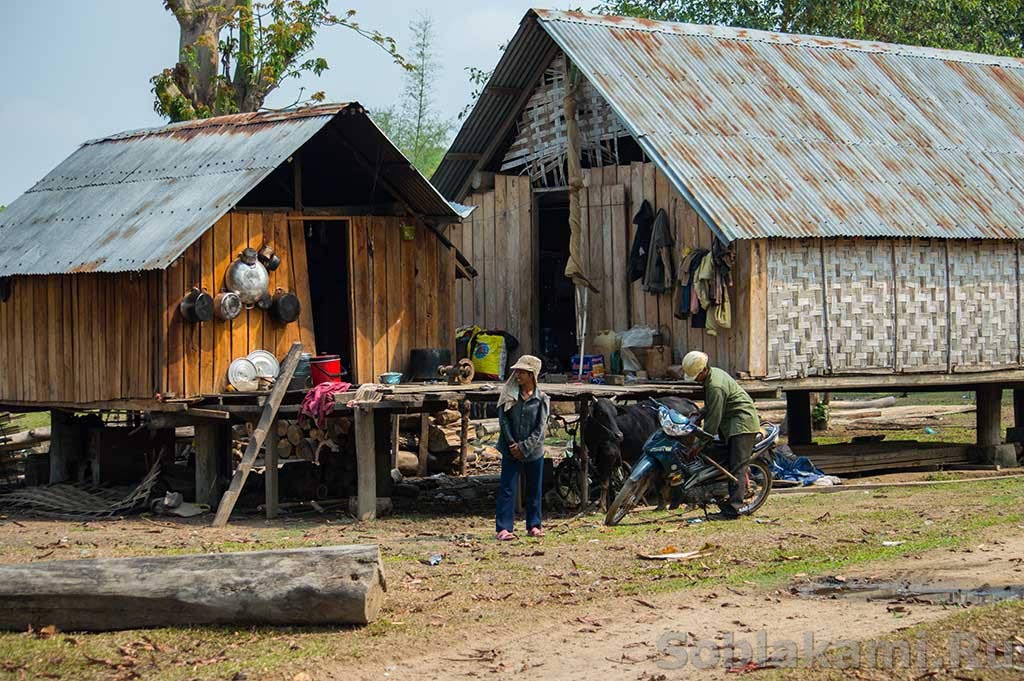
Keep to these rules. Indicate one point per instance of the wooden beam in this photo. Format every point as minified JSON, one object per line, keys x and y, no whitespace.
{"x":259,"y":434}
{"x":424,"y":453}
{"x":395,"y":422}
{"x":583,"y":409}
{"x":270,"y":482}
{"x":297,"y":176}
{"x":798,"y":416}
{"x":990,"y":403}
{"x":213,"y":441}
{"x":464,"y":436}
{"x":366,"y":465}
{"x":66,"y":445}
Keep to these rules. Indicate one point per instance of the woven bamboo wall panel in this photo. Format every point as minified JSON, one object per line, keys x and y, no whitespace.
{"x":921,"y":304}
{"x":541,"y":141}
{"x":796,"y":320}
{"x":983,"y":283}
{"x":860,"y":298}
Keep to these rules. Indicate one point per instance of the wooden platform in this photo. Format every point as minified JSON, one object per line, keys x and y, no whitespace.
{"x":844,"y":459}
{"x":424,"y":395}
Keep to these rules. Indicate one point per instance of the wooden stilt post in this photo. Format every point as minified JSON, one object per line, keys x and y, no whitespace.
{"x":212,"y":444}
{"x":66,"y":445}
{"x":990,"y":403}
{"x":1016,"y":433}
{"x":424,"y":452}
{"x":395,"y":420}
{"x":270,"y":474}
{"x":798,"y":416}
{"x":583,"y":409}
{"x":366,"y":464}
{"x":464,"y":437}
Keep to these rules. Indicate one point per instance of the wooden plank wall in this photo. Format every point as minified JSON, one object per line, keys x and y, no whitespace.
{"x":499,"y":239}
{"x":80,"y":338}
{"x":402,"y":294}
{"x":198,"y":355}
{"x":613,"y":196}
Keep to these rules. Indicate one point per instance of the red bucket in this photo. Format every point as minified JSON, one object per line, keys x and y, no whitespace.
{"x":325,"y":369}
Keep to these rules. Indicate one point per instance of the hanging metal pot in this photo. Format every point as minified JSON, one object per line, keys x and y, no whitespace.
{"x":227,"y":305}
{"x":269,"y":258}
{"x":197,"y":306}
{"x":247,"y":277}
{"x":286,"y":307}
{"x":265,"y":301}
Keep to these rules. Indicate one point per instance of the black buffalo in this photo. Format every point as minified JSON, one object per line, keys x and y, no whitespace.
{"x":615,"y":435}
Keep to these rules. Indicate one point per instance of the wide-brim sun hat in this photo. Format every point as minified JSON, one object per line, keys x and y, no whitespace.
{"x":528,"y":363}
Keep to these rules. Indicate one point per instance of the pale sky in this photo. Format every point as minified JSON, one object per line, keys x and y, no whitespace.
{"x":74,"y":70}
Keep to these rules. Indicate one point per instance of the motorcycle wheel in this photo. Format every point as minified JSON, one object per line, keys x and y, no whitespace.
{"x":567,"y":482}
{"x":759,"y":486}
{"x":632,"y":492}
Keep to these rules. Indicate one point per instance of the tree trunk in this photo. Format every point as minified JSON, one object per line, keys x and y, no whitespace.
{"x":297,"y":587}
{"x":200,"y":22}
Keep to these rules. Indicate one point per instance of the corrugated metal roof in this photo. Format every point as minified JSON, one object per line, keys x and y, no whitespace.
{"x":136,"y":200}
{"x":776,"y":135}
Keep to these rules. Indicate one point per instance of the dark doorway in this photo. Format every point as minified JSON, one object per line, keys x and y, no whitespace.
{"x":327,"y":255}
{"x":556,"y":293}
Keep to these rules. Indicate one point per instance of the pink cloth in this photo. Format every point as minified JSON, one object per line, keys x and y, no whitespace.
{"x":319,"y":402}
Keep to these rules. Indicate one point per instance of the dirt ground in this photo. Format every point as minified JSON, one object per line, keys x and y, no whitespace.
{"x":578,"y":599}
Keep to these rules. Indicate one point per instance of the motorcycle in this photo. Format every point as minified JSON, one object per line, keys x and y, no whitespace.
{"x":688,"y":459}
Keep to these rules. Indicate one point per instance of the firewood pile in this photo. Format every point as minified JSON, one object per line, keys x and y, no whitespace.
{"x":439,"y":436}
{"x":301,"y":441}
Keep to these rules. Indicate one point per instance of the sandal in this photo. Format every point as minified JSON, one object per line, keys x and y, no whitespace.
{"x":505,"y":535}
{"x":536,"y":532}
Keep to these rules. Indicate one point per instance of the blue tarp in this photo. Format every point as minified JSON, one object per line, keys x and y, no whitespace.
{"x":787,"y":466}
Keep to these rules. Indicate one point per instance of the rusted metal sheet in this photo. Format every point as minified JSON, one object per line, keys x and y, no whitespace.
{"x":776,"y":135}
{"x":136,"y":200}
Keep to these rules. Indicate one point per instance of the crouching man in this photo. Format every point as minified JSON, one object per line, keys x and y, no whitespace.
{"x":729,"y":413}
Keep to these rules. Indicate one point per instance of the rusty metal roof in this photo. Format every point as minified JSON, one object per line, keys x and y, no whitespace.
{"x":136,"y":200}
{"x":777,"y":135}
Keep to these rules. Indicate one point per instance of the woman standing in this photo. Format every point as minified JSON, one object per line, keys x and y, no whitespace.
{"x":523,"y":419}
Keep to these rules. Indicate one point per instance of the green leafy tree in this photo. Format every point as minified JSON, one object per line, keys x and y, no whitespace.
{"x":415,"y":124}
{"x":973,"y":25}
{"x":220,"y":73}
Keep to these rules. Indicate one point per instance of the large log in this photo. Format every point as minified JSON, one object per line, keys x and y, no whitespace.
{"x":307,"y":587}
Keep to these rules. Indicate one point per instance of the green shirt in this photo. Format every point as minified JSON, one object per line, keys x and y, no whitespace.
{"x":728,"y":409}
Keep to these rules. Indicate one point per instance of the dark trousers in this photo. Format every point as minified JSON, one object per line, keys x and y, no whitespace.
{"x":741,"y":449}
{"x":533,"y":471}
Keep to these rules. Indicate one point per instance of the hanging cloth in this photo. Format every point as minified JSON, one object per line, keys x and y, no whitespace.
{"x":660,"y":275}
{"x":644,"y":220}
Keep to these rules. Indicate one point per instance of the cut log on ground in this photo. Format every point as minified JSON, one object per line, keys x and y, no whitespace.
{"x":296,"y":587}
{"x":27,"y":437}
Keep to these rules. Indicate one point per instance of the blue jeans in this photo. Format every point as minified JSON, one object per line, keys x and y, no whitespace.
{"x":510,"y":469}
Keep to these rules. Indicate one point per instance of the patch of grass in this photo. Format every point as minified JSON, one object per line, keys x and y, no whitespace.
{"x":981,"y":643}
{"x":30,"y":420}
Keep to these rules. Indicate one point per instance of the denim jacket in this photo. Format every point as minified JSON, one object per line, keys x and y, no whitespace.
{"x":525,"y":423}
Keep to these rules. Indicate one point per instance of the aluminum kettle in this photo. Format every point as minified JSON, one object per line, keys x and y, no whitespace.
{"x":247,"y":277}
